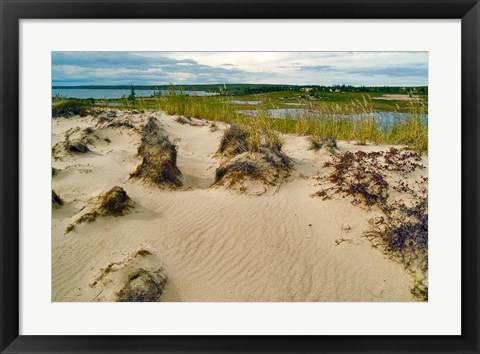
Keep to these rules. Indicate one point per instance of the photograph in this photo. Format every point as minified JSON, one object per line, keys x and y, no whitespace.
{"x":239,"y":176}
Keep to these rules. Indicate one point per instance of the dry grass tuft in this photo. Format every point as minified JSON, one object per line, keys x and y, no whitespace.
{"x":252,"y":153}
{"x":234,"y":141}
{"x":159,"y":164}
{"x":88,"y":130}
{"x":268,"y":166}
{"x":76,"y":146}
{"x":57,"y":202}
{"x":115,"y":202}
{"x":181,"y":120}
{"x":316,"y":142}
{"x":143,"y":286}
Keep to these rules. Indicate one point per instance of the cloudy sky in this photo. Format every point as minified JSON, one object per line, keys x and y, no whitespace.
{"x":296,"y":68}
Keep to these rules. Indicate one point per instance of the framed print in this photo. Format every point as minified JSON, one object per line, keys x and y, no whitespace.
{"x":239,"y":177}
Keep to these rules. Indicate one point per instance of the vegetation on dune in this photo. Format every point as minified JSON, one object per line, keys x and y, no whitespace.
{"x":114,"y":202}
{"x":337,"y":112}
{"x":57,"y":202}
{"x":351,"y":120}
{"x":64,"y":107}
{"x":76,"y":146}
{"x":251,"y":152}
{"x":316,"y":142}
{"x":143,"y":286}
{"x":401,"y":232}
{"x":159,"y":157}
{"x":363,"y":175}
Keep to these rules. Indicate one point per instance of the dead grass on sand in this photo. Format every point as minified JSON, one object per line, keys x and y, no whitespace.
{"x":159,"y":163}
{"x":143,"y":286}
{"x":115,"y":202}
{"x":245,"y":160}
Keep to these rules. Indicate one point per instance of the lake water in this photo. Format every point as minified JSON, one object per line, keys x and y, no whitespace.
{"x":244,"y":102}
{"x":112,"y":93}
{"x":385,"y":118}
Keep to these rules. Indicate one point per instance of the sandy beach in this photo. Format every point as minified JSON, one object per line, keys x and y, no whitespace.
{"x":259,"y":242}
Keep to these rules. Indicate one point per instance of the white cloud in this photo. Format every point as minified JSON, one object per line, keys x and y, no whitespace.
{"x":356,"y":68}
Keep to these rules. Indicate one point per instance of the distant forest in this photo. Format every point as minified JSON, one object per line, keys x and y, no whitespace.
{"x":248,"y":89}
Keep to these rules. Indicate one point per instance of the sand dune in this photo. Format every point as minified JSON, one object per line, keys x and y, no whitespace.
{"x":213,"y":244}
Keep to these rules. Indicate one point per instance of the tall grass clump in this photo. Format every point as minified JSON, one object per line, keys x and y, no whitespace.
{"x":159,"y":157}
{"x":411,"y":131}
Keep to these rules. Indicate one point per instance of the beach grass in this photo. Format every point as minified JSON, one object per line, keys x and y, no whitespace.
{"x":352,"y":122}
{"x":352,"y":118}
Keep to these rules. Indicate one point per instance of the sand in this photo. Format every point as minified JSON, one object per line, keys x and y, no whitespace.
{"x":211,"y":243}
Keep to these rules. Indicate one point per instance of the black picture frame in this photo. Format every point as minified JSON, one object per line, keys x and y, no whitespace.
{"x":12,"y":11}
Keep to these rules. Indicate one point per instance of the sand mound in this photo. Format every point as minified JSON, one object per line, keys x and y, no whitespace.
{"x":76,"y":141}
{"x":136,"y":278}
{"x":76,"y":146}
{"x":112,"y":119}
{"x":159,"y":164}
{"x":143,"y":286}
{"x":267,"y":166}
{"x":57,"y":202}
{"x":251,"y":156}
{"x":115,"y":202}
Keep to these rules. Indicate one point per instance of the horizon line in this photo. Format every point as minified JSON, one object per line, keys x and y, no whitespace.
{"x":216,"y":84}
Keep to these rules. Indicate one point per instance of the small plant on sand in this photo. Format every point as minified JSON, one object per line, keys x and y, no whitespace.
{"x":317,"y":142}
{"x":143,"y":286}
{"x":181,"y":120}
{"x":57,"y":202}
{"x":76,"y":146}
{"x":114,"y":202}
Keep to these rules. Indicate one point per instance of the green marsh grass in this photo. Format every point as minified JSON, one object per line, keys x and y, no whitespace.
{"x":350,"y":122}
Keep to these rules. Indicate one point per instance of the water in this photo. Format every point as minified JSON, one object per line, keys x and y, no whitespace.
{"x":243,"y":102}
{"x":108,"y":104}
{"x":386,"y":119}
{"x":294,"y":104}
{"x":293,"y":113}
{"x":115,"y":93}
